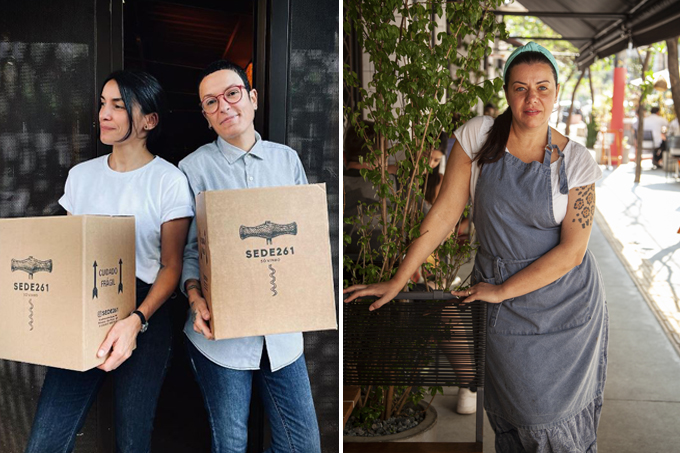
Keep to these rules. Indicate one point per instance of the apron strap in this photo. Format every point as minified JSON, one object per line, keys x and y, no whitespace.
{"x":564,"y":186}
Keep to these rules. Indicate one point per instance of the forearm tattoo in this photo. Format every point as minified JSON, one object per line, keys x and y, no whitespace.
{"x":585,"y":205}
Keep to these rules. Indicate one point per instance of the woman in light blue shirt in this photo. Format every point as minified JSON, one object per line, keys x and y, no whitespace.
{"x":227,"y":369}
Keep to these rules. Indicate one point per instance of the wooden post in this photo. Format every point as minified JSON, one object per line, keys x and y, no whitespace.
{"x":590,"y":82}
{"x":672,"y":45}
{"x":389,"y":399}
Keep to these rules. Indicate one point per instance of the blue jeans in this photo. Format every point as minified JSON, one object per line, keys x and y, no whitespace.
{"x":67,"y":395}
{"x":286,"y":395}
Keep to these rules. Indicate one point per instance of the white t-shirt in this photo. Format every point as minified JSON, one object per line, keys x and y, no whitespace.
{"x":154,"y":194}
{"x":581,"y":167}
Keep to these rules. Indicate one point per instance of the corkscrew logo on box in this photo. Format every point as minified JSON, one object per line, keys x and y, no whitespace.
{"x":31,"y":266}
{"x":269,"y":230}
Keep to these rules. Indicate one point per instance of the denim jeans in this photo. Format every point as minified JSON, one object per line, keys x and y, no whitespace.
{"x":286,"y":395}
{"x":67,"y":395}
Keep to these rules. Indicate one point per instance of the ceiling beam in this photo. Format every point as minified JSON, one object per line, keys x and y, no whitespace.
{"x":563,"y":15}
{"x":548,"y":38}
{"x":231,"y":39}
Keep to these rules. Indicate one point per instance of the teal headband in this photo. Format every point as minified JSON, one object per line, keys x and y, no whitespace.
{"x":531,"y":47}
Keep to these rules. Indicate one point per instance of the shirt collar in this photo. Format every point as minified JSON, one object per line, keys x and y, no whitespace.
{"x":233,"y":153}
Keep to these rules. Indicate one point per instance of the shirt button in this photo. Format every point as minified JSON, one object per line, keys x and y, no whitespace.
{"x":250,"y":178}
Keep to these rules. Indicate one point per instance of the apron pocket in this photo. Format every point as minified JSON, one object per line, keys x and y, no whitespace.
{"x":478,"y":277}
{"x":564,"y":304}
{"x":494,"y":308}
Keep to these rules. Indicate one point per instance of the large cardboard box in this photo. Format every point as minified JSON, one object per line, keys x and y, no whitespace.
{"x":265,"y":260}
{"x":64,"y":281}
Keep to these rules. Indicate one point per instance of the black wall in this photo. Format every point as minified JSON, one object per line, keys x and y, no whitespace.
{"x":312,"y":130}
{"x":47,"y":111}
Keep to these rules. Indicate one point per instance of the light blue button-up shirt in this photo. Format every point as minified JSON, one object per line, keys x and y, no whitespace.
{"x":218,"y":166}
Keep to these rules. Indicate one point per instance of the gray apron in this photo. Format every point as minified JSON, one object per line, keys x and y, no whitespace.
{"x":546,"y":350}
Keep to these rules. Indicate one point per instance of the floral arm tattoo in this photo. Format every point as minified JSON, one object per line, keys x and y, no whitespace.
{"x":585,"y":205}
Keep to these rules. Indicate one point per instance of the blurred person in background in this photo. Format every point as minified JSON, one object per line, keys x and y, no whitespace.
{"x":656,"y":124}
{"x":490,"y":110}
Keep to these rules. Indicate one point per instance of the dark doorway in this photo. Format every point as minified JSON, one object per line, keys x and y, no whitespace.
{"x":174,"y":41}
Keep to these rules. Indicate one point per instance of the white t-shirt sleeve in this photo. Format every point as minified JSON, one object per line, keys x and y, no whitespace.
{"x":65,"y":201}
{"x":176,"y":200}
{"x":582,"y":170}
{"x":472,"y":134}
{"x":471,"y":137}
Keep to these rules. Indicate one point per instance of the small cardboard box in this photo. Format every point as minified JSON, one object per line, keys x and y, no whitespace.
{"x":64,"y":281}
{"x":265,"y":260}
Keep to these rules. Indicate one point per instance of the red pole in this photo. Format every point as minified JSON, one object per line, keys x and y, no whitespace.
{"x":616,"y":126}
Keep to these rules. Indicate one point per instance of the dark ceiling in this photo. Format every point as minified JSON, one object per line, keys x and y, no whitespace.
{"x":188,"y":35}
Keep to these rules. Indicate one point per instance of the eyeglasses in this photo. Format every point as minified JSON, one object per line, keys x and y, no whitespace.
{"x":233,"y":94}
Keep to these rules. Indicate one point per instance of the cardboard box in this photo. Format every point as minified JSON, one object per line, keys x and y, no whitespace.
{"x":265,"y":260}
{"x":64,"y":281}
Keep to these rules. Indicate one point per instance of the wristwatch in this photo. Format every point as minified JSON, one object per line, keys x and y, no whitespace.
{"x":145,"y":324}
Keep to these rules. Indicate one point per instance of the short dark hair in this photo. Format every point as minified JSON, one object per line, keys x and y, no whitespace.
{"x":219,"y":65}
{"x":143,"y":89}
{"x":489,"y":105}
{"x":654,"y":110}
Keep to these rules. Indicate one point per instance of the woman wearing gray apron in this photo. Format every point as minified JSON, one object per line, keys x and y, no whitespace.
{"x":533,"y":204}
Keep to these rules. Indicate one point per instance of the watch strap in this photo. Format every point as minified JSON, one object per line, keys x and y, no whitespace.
{"x":145,"y":324}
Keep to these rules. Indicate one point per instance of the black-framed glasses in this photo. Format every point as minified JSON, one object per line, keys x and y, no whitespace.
{"x":232,"y":95}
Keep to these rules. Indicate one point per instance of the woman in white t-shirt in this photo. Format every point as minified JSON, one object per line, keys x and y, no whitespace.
{"x":129,"y":181}
{"x":533,"y":198}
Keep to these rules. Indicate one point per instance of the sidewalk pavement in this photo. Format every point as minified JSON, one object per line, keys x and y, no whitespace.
{"x":641,"y":222}
{"x":635,"y":242}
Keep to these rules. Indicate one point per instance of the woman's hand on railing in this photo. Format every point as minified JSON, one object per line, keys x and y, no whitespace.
{"x":384,"y":291}
{"x":483,"y":292}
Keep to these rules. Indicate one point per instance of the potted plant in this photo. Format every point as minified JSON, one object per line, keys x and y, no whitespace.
{"x":426,"y":57}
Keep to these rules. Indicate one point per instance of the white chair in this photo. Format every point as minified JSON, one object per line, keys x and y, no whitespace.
{"x":648,"y":141}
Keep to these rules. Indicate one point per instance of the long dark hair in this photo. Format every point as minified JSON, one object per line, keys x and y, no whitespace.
{"x":433,"y":181}
{"x":141,"y":88}
{"x":494,"y":146}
